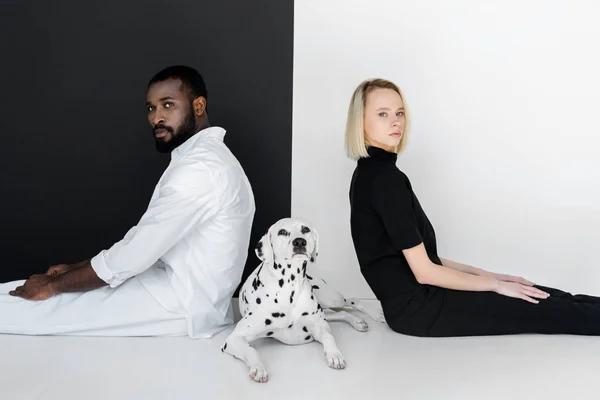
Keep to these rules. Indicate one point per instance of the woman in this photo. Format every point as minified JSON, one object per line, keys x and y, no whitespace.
{"x":422,"y":294}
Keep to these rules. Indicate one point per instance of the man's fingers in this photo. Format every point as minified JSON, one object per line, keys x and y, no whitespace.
{"x":17,"y":292}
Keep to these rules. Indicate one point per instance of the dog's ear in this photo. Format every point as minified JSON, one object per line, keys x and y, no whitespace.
{"x":315,"y":252}
{"x":264,"y":250}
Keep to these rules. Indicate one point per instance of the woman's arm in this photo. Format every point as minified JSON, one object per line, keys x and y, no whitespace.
{"x":468,"y":269}
{"x":428,"y":273}
{"x":482,"y":272}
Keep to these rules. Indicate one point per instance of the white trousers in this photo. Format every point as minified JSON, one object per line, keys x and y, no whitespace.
{"x":127,"y":310}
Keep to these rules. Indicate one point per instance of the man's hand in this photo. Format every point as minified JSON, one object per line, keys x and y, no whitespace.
{"x":37,"y":287}
{"x":60,"y":269}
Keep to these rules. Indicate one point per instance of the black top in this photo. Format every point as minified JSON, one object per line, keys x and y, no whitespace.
{"x":386,"y":218}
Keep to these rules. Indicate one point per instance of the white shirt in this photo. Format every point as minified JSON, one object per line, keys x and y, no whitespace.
{"x":190,"y":246}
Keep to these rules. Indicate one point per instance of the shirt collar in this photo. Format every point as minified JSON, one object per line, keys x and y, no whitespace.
{"x":214,"y":132}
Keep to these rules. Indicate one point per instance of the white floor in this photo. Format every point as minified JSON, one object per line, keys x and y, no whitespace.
{"x":381,"y":365}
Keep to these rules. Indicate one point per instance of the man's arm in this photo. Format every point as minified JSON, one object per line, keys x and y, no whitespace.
{"x":79,"y":279}
{"x":186,"y":198}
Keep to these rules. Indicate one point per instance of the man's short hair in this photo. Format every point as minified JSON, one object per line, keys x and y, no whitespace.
{"x":190,"y":78}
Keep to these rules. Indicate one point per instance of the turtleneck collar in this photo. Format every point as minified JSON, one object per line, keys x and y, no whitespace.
{"x":382,"y":155}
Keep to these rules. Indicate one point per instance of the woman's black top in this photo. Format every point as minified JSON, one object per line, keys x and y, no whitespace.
{"x":386,"y":218}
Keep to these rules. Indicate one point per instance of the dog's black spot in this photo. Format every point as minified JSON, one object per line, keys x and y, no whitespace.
{"x":269,"y":333}
{"x":293,"y":277}
{"x":267,"y":294}
{"x":351,"y":302}
{"x":291,"y":325}
{"x":267,"y":322}
{"x":224,"y":347}
{"x":250,"y":313}
{"x":280,"y":282}
{"x":298,"y":270}
{"x":288,"y":281}
{"x":304,"y":329}
{"x":315,"y":287}
{"x":307,"y":338}
{"x":254,"y":284}
{"x":304,"y":265}
{"x":258,"y":300}
{"x":292,"y":297}
{"x":283,"y":272}
{"x":245,"y":299}
{"x":276,"y":301}
{"x":304,"y":313}
{"x":278,"y":315}
{"x":312,"y":297}
{"x":289,"y":265}
{"x":312,"y":259}
{"x":309,"y":277}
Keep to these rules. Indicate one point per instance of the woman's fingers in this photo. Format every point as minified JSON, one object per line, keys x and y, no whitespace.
{"x":529,"y":299}
{"x":534,"y":292}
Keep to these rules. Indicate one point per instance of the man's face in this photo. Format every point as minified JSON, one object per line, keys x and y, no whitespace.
{"x":170,"y":113}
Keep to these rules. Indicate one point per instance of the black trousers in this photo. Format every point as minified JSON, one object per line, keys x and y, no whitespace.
{"x":463,"y":313}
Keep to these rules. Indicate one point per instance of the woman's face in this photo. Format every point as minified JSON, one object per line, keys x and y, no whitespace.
{"x":384,"y":119}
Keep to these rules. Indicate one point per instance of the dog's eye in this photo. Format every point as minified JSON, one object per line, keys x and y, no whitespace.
{"x":305,"y":230}
{"x":282,"y":232}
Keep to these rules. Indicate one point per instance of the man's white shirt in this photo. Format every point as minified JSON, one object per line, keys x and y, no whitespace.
{"x":190,"y":246}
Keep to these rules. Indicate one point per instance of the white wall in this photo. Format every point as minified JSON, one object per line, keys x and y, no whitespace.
{"x":505,"y":98}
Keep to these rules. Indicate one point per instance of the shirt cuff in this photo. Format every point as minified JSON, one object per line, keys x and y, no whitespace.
{"x":101,"y":269}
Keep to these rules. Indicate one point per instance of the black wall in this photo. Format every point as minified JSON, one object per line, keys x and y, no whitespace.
{"x":78,"y":163}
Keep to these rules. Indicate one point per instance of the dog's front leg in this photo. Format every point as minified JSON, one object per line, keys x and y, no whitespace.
{"x":238,"y":345}
{"x":321,"y":331}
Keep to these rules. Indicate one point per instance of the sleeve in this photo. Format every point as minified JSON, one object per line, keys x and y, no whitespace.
{"x":392,"y":200}
{"x":187,"y":198}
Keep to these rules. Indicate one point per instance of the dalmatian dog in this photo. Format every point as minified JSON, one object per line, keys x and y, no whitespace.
{"x":284,"y":299}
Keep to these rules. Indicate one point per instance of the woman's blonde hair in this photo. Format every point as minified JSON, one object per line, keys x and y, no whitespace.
{"x":355,"y":143}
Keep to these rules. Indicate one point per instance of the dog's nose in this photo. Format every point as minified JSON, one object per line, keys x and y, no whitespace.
{"x":299,"y":242}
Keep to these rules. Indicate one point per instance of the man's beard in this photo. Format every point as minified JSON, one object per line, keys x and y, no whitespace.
{"x":187,"y":130}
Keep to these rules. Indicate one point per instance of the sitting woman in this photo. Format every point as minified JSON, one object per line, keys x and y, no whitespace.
{"x":422,"y":294}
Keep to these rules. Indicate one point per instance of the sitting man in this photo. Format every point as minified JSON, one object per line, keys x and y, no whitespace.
{"x":175,"y":272}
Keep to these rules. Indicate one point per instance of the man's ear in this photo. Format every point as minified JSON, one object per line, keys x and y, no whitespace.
{"x":264,"y":249}
{"x":199,"y":106}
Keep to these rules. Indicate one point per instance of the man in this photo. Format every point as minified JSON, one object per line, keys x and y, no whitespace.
{"x":174,"y":273}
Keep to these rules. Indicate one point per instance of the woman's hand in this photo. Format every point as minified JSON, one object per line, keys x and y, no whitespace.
{"x":511,"y":278}
{"x":520,"y":291}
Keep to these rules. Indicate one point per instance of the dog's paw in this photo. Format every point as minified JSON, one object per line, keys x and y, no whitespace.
{"x":379,"y":316}
{"x":360,"y":324}
{"x":259,"y":374}
{"x":335,"y":360}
